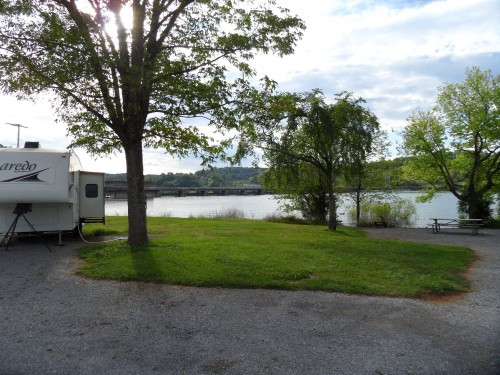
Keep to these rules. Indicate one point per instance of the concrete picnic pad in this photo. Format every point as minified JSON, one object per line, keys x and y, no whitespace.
{"x":53,"y":321}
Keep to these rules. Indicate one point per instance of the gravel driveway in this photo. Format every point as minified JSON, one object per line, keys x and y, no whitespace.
{"x":55,"y":322}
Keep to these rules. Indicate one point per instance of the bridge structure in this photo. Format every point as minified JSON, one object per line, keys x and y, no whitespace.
{"x":118,"y":190}
{"x":204,"y":191}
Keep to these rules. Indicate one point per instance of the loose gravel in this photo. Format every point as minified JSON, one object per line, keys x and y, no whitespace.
{"x":53,"y":321}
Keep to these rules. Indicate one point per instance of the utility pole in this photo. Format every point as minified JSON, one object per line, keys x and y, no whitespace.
{"x":19,"y":126}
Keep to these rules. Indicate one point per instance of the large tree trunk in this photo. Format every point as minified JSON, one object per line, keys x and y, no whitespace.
{"x":358,"y":206}
{"x":477,"y":207}
{"x":138,"y":234}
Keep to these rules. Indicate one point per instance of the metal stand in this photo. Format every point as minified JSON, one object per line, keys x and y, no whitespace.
{"x":60,"y":239}
{"x":20,"y":210}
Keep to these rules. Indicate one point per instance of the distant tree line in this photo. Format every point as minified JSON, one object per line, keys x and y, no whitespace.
{"x":389,"y":176}
{"x":215,"y":177}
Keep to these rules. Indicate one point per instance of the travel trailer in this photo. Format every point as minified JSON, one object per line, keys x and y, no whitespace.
{"x":49,"y":188}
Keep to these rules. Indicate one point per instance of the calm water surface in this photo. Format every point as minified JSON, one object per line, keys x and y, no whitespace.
{"x":260,"y":206}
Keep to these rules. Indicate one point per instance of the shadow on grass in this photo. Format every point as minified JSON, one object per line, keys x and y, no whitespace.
{"x":145,"y":262}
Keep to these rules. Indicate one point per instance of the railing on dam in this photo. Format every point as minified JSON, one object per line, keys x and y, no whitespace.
{"x":202,"y":191}
{"x":115,"y":190}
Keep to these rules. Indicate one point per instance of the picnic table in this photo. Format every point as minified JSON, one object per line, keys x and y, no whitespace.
{"x":473,"y":224}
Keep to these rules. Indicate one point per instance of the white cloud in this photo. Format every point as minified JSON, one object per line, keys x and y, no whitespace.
{"x":393,"y":53}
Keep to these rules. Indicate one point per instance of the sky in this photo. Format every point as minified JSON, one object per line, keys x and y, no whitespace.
{"x":393,"y":53}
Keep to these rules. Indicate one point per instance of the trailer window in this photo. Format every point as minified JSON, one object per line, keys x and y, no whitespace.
{"x":91,"y":191}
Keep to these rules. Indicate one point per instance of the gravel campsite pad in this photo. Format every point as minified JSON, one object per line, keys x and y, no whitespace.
{"x":53,"y":321}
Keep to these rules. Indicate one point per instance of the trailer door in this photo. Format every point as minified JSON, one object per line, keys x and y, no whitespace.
{"x":91,"y":197}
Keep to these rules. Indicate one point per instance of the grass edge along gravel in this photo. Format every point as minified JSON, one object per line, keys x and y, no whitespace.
{"x":242,"y":253}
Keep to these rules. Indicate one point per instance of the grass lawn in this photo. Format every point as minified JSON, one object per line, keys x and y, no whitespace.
{"x":239,"y":253}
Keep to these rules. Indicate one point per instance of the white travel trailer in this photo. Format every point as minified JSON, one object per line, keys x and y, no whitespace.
{"x":59,"y":194}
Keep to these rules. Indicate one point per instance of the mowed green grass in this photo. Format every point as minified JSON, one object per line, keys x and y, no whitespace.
{"x":239,"y":253}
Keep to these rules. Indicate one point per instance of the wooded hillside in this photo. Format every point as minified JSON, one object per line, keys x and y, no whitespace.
{"x":239,"y":176}
{"x":217,"y":177}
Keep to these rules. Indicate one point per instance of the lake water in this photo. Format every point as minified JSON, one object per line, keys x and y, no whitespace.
{"x":260,"y":206}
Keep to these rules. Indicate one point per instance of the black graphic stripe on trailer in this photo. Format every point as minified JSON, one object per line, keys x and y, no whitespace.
{"x":33,"y":177}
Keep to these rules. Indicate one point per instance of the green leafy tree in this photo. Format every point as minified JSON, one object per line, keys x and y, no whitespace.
{"x":215,"y":180}
{"x":123,"y":86}
{"x":187,"y":180}
{"x":393,"y":174}
{"x":328,"y":138}
{"x":300,"y":187}
{"x":360,"y":178}
{"x":457,"y":143}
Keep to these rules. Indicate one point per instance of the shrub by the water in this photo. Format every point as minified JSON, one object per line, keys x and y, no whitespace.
{"x":393,"y":213}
